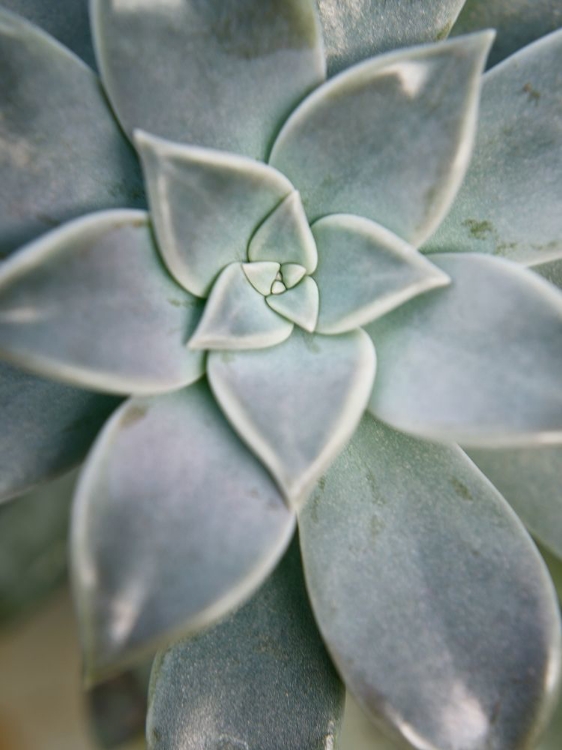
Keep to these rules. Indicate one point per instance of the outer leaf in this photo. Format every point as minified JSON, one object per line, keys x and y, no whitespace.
{"x":90,"y":303}
{"x":357,"y":29}
{"x":432,"y":599}
{"x":261,"y":680}
{"x":530,"y":480}
{"x":365,"y":271}
{"x":175,"y":523}
{"x":389,"y":139}
{"x":299,"y":304}
{"x":221,"y":74}
{"x":236,"y":316}
{"x":518,"y":22}
{"x":61,"y":152}
{"x":205,"y":206}
{"x":33,"y":536}
{"x":285,"y":236}
{"x":509,"y":203}
{"x":45,"y":428}
{"x":298,"y":403}
{"x":66,"y":20}
{"x":478,"y":362}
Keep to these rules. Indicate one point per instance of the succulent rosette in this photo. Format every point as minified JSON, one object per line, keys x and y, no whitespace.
{"x":331,"y":286}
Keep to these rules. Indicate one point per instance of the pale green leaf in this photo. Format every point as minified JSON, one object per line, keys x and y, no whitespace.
{"x":61,"y":151}
{"x":478,"y":362}
{"x":175,"y":523}
{"x":205,"y":206}
{"x":431,"y":597}
{"x":90,"y":303}
{"x":261,"y":680}
{"x":296,"y":404}
{"x":364,"y":271}
{"x":388,"y":139}
{"x":219,"y":73}
{"x":298,"y":304}
{"x":236,"y":316}
{"x":509,"y":203}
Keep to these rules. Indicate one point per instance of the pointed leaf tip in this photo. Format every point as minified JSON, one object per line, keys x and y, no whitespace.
{"x":402,"y":159}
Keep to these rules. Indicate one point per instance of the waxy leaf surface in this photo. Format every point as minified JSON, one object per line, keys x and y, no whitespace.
{"x":298,"y":304}
{"x":260,"y":680}
{"x":236,"y":316}
{"x":431,"y":597}
{"x":66,"y":20}
{"x":45,"y":428}
{"x":296,"y":404}
{"x":61,"y":152}
{"x":530,"y":479}
{"x":175,"y":523}
{"x":205,"y":206}
{"x":518,"y":22}
{"x":390,"y":138}
{"x":219,"y":73}
{"x":509,"y":203}
{"x":478,"y":362}
{"x":92,"y":304}
{"x":364,"y":271}
{"x":357,"y":29}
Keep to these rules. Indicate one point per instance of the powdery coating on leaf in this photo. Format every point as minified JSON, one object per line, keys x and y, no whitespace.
{"x":296,"y":404}
{"x":91,"y":304}
{"x":260,"y":680}
{"x":61,"y":152}
{"x":512,"y":209}
{"x":403,"y":532}
{"x":357,"y":29}
{"x":175,"y":523}
{"x":477,"y":362}
{"x":388,"y":139}
{"x":250,"y":63}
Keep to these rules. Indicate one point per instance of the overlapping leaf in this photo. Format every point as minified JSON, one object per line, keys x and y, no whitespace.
{"x":175,"y":523}
{"x":61,"y":152}
{"x":390,"y":138}
{"x":218,"y":74}
{"x":261,"y":680}
{"x":432,"y":599}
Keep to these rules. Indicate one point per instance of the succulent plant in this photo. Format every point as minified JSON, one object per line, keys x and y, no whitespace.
{"x":308,"y":320}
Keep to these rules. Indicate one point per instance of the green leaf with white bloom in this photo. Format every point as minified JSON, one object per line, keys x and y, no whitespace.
{"x":390,"y":138}
{"x":518,"y":22}
{"x":61,"y":152}
{"x":236,"y":316}
{"x":285,"y":236}
{"x":90,"y":303}
{"x":261,"y":275}
{"x":364,"y":271}
{"x":45,"y":428}
{"x":66,"y":20}
{"x":292,"y":273}
{"x":175,"y":523}
{"x":530,"y":479}
{"x":205,"y":206}
{"x":431,"y":597}
{"x":509,"y":204}
{"x":33,"y":542}
{"x":260,"y":680}
{"x":298,"y":304}
{"x":220,"y":73}
{"x":477,"y":362}
{"x":296,"y":404}
{"x":358,"y":29}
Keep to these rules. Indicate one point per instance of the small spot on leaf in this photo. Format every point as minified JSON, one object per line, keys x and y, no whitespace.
{"x":461,"y":489}
{"x":480,"y":230}
{"x":133,"y":415}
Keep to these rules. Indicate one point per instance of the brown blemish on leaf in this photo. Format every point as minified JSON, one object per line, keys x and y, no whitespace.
{"x":461,"y":489}
{"x":133,"y":415}
{"x":532,"y":94}
{"x":480,"y":230}
{"x":443,"y":33}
